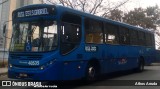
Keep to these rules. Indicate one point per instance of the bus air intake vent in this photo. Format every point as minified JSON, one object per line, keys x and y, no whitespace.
{"x":25,"y":57}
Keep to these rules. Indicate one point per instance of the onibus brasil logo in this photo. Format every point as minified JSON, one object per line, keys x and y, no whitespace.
{"x":26,"y":84}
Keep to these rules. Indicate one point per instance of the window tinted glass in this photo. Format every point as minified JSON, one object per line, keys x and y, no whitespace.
{"x":111,"y":34}
{"x":141,"y":37}
{"x":70,"y":32}
{"x":124,"y":35}
{"x":93,"y":31}
{"x":133,"y":37}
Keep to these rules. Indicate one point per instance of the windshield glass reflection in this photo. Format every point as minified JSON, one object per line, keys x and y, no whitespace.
{"x":34,"y":36}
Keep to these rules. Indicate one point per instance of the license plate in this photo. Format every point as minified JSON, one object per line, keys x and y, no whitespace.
{"x":23,"y":75}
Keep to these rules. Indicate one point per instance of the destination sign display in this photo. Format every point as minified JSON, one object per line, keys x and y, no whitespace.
{"x":43,"y":11}
{"x":28,"y":12}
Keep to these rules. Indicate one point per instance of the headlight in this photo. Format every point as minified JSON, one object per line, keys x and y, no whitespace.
{"x":51,"y":62}
{"x":10,"y":65}
{"x":47,"y":64}
{"x":42,"y":67}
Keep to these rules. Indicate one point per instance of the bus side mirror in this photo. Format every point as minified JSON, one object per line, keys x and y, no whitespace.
{"x":4,"y":29}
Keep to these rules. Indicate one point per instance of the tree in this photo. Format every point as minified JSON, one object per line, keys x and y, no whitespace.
{"x":108,"y":10}
{"x":154,"y":14}
{"x":135,"y":17}
{"x":145,"y":18}
{"x":3,"y":2}
{"x":116,"y":15}
{"x":89,"y":6}
{"x":96,"y":7}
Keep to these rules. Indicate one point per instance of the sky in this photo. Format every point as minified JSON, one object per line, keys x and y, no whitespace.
{"x":139,"y":3}
{"x":146,"y":3}
{"x":131,"y":4}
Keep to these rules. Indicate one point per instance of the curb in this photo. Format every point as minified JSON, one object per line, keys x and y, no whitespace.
{"x":5,"y":73}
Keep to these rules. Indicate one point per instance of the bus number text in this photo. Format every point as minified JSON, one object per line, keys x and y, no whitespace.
{"x":33,"y":63}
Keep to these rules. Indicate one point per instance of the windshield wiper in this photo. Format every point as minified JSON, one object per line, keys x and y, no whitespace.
{"x":17,"y":38}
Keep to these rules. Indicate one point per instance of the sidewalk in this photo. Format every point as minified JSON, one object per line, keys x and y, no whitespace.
{"x":3,"y":71}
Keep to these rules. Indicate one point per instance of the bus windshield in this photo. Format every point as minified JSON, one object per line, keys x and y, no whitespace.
{"x":36,"y":36}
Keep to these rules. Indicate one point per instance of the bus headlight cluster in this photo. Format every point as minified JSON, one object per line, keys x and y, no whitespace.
{"x":42,"y":67}
{"x":10,"y":65}
{"x":47,"y":64}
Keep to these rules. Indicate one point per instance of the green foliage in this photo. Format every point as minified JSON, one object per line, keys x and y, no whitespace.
{"x":135,"y":17}
{"x":146,"y":18}
{"x":116,"y":15}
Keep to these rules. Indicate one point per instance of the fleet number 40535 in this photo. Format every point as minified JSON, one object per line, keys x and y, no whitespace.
{"x":33,"y":63}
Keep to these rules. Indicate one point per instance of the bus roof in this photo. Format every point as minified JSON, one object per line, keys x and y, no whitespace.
{"x":88,"y":15}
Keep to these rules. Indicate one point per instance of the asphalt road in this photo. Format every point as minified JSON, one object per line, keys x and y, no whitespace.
{"x":150,"y":73}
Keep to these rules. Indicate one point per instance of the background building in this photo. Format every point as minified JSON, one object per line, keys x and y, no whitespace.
{"x":6,"y":9}
{"x":4,"y":15}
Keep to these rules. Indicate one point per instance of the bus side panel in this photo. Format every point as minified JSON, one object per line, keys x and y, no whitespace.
{"x":149,"y":55}
{"x":110,"y":60}
{"x":74,"y":64}
{"x":128,"y":57}
{"x":75,"y":68}
{"x":119,"y":57}
{"x":157,"y":59}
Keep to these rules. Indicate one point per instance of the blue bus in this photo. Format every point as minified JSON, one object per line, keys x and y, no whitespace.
{"x":51,"y":42}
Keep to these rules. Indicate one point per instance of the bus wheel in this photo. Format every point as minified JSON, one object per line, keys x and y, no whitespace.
{"x":91,"y":72}
{"x":140,"y":65}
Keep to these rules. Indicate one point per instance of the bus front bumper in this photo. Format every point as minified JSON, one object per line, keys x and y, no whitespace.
{"x":35,"y":74}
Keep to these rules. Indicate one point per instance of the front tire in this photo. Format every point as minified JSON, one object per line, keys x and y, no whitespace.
{"x":91,"y":72}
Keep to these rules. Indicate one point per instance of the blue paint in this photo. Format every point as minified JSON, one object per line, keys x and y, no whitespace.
{"x":54,"y":66}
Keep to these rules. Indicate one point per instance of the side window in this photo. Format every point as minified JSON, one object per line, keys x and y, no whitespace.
{"x":111,"y":34}
{"x":124,"y":35}
{"x":141,"y":38}
{"x":133,"y":37}
{"x":148,"y":39}
{"x":70,"y":32}
{"x":93,"y":31}
{"x":152,"y":40}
